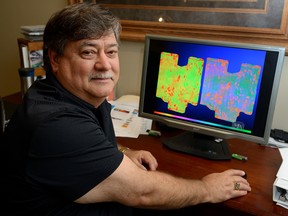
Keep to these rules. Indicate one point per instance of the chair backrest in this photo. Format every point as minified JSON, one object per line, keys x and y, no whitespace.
{"x":2,"y":117}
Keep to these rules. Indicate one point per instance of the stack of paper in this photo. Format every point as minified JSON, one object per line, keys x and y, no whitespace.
{"x":280,"y":188}
{"x":33,"y":32}
{"x":125,"y":117}
{"x":274,"y":143}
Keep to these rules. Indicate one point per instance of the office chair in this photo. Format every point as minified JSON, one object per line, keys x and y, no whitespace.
{"x":2,"y":117}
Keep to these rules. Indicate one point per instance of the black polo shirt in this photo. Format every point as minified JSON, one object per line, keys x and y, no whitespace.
{"x":56,"y":148}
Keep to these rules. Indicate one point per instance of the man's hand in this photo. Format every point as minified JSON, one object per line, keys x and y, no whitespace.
{"x":142,"y":159}
{"x":226,"y":185}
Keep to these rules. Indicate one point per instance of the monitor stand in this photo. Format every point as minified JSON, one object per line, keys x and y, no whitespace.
{"x":199,"y":145}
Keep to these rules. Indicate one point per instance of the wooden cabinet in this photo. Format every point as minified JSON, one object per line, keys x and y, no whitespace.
{"x":30,"y":46}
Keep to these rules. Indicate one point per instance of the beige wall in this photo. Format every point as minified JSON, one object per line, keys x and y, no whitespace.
{"x":13,"y":14}
{"x":35,"y":12}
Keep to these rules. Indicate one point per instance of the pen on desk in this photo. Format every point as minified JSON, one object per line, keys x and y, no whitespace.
{"x":153,"y":132}
{"x":239,"y":157}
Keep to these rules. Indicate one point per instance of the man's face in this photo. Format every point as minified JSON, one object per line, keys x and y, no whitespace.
{"x":89,"y":68}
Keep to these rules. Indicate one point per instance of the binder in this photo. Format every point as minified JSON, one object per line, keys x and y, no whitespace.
{"x":25,"y":55}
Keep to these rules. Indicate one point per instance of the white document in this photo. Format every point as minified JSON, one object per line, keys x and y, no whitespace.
{"x":273,"y":143}
{"x":282,"y":172}
{"x":125,"y":117}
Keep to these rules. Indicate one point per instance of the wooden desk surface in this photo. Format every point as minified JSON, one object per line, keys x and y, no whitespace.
{"x":261,"y":168}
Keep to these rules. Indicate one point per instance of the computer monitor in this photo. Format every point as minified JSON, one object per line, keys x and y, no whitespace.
{"x":213,"y":90}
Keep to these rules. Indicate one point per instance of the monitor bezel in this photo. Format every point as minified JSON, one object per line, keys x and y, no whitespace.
{"x":206,"y":129}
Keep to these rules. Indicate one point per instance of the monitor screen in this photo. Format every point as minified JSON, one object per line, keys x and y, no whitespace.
{"x":215,"y":89}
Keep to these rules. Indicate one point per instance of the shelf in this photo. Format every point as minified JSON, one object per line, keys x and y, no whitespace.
{"x":31,"y":46}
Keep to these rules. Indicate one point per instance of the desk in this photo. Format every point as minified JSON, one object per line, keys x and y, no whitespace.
{"x":10,"y":103}
{"x":261,"y":167}
{"x":15,"y":98}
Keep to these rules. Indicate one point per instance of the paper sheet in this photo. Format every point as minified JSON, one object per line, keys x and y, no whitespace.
{"x":125,"y":117}
{"x":282,"y":172}
{"x":273,"y":143}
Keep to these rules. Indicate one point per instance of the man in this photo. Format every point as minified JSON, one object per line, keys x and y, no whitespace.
{"x":60,"y":151}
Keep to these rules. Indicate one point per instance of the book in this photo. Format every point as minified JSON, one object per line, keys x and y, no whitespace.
{"x":36,"y":58}
{"x":33,"y":28}
{"x":25,"y":56}
{"x":33,"y":37}
{"x":33,"y":32}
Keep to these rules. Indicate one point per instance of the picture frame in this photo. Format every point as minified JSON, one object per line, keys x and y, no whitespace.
{"x":248,"y":21}
{"x":80,"y":1}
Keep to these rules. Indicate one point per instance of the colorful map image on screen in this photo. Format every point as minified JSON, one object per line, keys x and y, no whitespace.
{"x":225,"y":93}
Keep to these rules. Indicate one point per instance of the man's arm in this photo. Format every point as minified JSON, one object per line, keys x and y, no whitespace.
{"x":133,"y":186}
{"x":143,"y":159}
